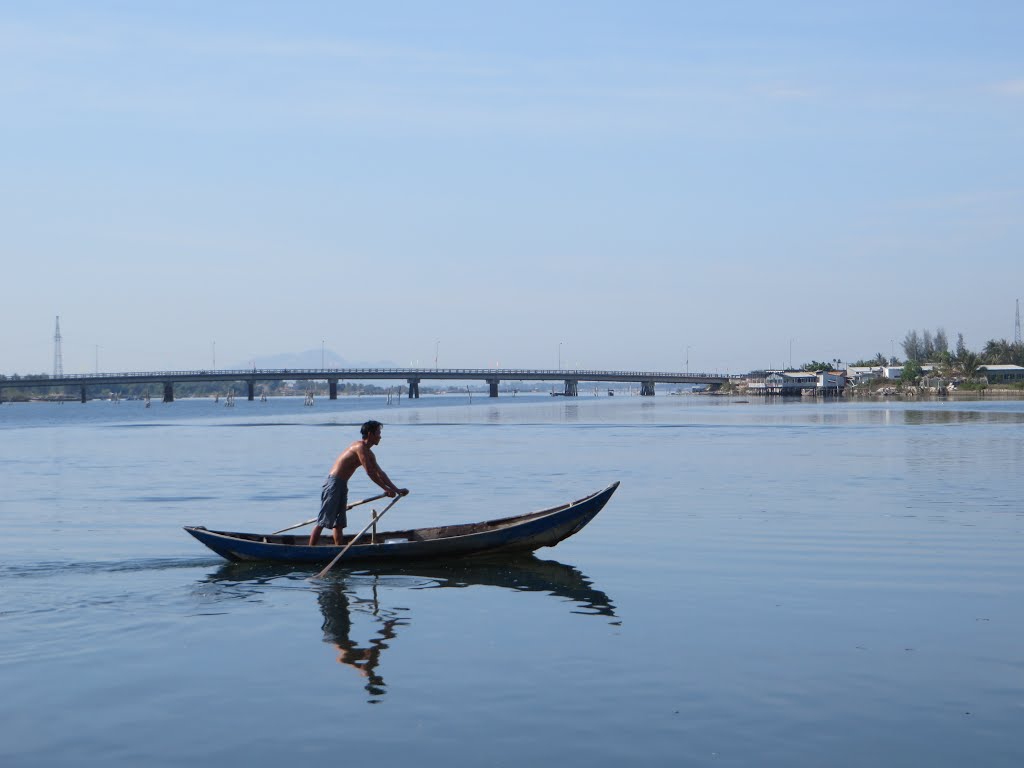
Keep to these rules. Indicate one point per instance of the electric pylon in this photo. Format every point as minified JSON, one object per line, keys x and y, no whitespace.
{"x":58,"y":358}
{"x":1016,"y":326}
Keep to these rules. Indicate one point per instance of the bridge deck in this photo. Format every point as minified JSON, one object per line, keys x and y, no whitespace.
{"x":382,"y":374}
{"x":412,"y":376}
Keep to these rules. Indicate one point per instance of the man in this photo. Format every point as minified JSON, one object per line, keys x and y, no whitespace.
{"x":334,"y":496}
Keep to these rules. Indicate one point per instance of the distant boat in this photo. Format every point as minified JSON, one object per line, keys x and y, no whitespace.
{"x":523,"y":533}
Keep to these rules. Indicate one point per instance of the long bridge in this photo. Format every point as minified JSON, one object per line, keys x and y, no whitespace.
{"x":412,"y":376}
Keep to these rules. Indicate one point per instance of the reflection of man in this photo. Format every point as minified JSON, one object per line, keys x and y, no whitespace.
{"x":334,"y":495}
{"x":334,"y":604}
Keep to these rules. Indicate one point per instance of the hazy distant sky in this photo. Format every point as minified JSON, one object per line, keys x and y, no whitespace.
{"x":501,"y":183}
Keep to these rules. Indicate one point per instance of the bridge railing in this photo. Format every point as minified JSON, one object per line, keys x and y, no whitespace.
{"x":248,"y":372}
{"x":341,"y":373}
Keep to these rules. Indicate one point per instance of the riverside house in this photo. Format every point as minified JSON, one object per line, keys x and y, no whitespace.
{"x":785,"y":383}
{"x":795,"y":383}
{"x":1002,"y":374}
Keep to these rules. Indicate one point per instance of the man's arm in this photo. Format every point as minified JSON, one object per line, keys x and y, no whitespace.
{"x":379,"y":476}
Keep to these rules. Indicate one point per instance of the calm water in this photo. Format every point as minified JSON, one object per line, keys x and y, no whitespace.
{"x":804,"y":584}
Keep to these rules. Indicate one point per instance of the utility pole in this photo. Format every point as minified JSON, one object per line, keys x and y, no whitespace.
{"x":58,"y":356}
{"x":1016,"y":326}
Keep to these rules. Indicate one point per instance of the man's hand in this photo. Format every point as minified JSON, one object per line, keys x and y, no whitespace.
{"x":403,"y":491}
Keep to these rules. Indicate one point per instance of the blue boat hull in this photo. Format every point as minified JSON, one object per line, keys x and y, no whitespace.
{"x":523,"y":533}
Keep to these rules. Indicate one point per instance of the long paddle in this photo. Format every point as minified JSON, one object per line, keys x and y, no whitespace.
{"x":299,"y":525}
{"x":373,"y":520}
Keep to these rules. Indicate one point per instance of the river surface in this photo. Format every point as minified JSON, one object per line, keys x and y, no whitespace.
{"x":798,"y":584}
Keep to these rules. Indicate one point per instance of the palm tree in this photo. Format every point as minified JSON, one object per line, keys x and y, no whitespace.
{"x":946,"y":367}
{"x":998,"y":351}
{"x":1017,"y":354}
{"x":968,"y":364}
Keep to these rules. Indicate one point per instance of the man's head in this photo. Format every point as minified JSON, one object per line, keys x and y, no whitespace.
{"x":370,"y":428}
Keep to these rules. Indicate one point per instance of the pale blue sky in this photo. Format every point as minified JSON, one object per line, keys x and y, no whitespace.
{"x":625,"y":180}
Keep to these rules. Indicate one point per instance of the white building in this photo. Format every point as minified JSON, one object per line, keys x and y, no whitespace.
{"x":789,"y":382}
{"x":859,"y":374}
{"x":895,"y":371}
{"x":830,"y":381}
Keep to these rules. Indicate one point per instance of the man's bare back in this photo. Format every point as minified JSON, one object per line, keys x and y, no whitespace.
{"x":353,"y":457}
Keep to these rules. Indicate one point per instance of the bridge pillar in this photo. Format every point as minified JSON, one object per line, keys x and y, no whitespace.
{"x":83,"y":393}
{"x":414,"y":389}
{"x":647,"y":389}
{"x":252,"y":390}
{"x":332,"y":385}
{"x":493,"y":385}
{"x":168,"y":391}
{"x":570,"y":387}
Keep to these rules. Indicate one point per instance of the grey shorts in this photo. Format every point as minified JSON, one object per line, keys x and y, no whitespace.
{"x":333,"y":501}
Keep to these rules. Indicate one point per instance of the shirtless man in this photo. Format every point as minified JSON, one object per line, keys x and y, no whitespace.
{"x":334,"y":496}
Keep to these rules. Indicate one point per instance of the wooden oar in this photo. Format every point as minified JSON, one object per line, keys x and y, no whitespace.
{"x":355,"y":538}
{"x":299,"y":525}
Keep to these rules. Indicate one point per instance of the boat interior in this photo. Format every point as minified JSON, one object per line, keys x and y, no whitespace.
{"x":401,"y":537}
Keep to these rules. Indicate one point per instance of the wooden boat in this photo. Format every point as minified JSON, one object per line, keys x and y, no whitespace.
{"x":523,"y":533}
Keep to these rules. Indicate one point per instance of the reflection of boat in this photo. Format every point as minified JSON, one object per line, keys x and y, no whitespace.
{"x":354,"y":597}
{"x":523,"y":533}
{"x":523,"y":573}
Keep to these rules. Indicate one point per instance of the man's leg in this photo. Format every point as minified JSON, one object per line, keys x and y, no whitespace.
{"x":314,"y":537}
{"x":336,"y":531}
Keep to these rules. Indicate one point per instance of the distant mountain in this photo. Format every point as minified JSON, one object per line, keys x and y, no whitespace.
{"x":309,"y":359}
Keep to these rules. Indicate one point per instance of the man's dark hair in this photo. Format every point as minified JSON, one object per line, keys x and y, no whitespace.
{"x":370,"y":426}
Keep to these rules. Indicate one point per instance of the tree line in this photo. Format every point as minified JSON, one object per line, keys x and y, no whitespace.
{"x":928,"y":347}
{"x":932,"y":348}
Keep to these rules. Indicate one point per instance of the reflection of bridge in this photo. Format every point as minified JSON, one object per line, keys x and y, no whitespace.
{"x":412,"y":376}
